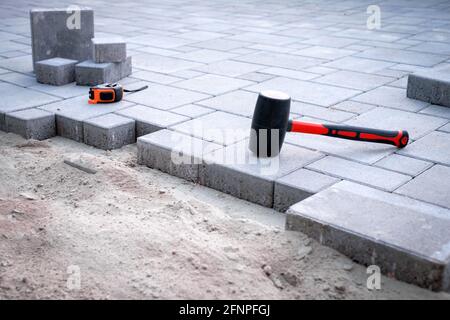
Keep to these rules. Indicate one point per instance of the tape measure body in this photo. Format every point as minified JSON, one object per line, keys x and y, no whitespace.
{"x":108,"y":93}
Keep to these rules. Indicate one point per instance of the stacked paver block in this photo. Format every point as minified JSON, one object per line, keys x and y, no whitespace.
{"x":174,"y":153}
{"x":55,"y":71}
{"x":109,"y":131}
{"x":31,"y":124}
{"x":110,"y":63}
{"x":237,"y":171}
{"x":430,"y":86}
{"x":406,"y":238}
{"x":64,"y":33}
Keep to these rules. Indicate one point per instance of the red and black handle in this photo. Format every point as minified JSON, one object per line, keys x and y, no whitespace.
{"x":397,"y":138}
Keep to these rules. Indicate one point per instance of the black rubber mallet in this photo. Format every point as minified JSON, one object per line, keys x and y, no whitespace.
{"x":271,"y":122}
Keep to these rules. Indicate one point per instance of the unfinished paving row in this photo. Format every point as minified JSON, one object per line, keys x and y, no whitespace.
{"x":204,"y":72}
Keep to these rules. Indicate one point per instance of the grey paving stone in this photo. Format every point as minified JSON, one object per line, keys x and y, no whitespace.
{"x":359,"y":64}
{"x":402,"y":56}
{"x":433,"y":147}
{"x":219,"y":127}
{"x":205,"y":55}
{"x":438,"y":111}
{"x":229,"y":68}
{"x":360,"y":173}
{"x":326,"y":53}
{"x":90,"y":73}
{"x":19,"y":79}
{"x":328,"y":41}
{"x":406,"y":238}
{"x":67,"y":91}
{"x":263,"y":38}
{"x":155,"y":77}
{"x":353,"y":106}
{"x":354,"y":80}
{"x":109,"y":131}
{"x":200,"y":35}
{"x":353,"y":150}
{"x":373,"y":35}
{"x":288,"y":73}
{"x":400,"y":83}
{"x":299,"y":185}
{"x":31,"y":124}
{"x":71,"y":113}
{"x":157,"y":63}
{"x":165,"y":97}
{"x":175,"y":153}
{"x":149,"y":119}
{"x":192,"y":110}
{"x":445,"y":128}
{"x":432,"y":186}
{"x":15,"y":98}
{"x":402,"y":164}
{"x":55,"y":71}
{"x":432,"y":36}
{"x":164,"y":42}
{"x":304,"y":91}
{"x":213,"y":84}
{"x":416,"y":124}
{"x":236,"y":171}
{"x":273,"y":59}
{"x":256,"y":76}
{"x":391,"y":97}
{"x":51,"y":36}
{"x":220,"y":44}
{"x":431,"y":86}
{"x":432,"y":47}
{"x":23,"y":64}
{"x":109,"y":50}
{"x":318,"y":112}
{"x":237,"y":102}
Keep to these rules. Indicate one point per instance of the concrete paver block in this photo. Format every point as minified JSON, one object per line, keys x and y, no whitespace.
{"x":71,"y":113}
{"x":433,"y":147}
{"x":237,"y":171}
{"x":299,"y":185}
{"x":59,"y":33}
{"x":55,"y":71}
{"x":406,"y":238}
{"x":109,"y":131}
{"x":109,"y":50}
{"x":89,"y":73}
{"x":431,"y":86}
{"x":149,"y":119}
{"x":174,"y":153}
{"x":402,"y":164}
{"x":31,"y":124}
{"x":213,"y":84}
{"x":192,"y":110}
{"x":239,"y":102}
{"x":432,"y":186}
{"x":353,"y":171}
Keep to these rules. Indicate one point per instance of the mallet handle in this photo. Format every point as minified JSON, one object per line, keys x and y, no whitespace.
{"x":397,"y":138}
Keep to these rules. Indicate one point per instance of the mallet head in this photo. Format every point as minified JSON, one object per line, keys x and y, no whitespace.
{"x":270,"y":122}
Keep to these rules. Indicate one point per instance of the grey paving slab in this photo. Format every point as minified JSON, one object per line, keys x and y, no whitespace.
{"x":391,"y":97}
{"x":55,"y":34}
{"x":373,"y":35}
{"x":150,"y":119}
{"x":326,"y":114}
{"x":359,"y":64}
{"x":213,"y":84}
{"x":109,"y":50}
{"x":299,"y":185}
{"x":432,"y":36}
{"x":353,"y":106}
{"x":229,"y":68}
{"x":155,"y":77}
{"x":71,"y":113}
{"x":431,"y":86}
{"x":354,"y":80}
{"x":416,"y":124}
{"x":223,"y":44}
{"x":281,"y":60}
{"x":164,"y":42}
{"x":192,"y":110}
{"x":201,"y":35}
{"x":90,"y":73}
{"x":157,"y":63}
{"x":406,"y":238}
{"x":19,"y":79}
{"x":325,"y":53}
{"x":360,"y":173}
{"x":432,"y":47}
{"x":304,"y":91}
{"x":433,"y":147}
{"x":66,"y":91}
{"x":174,"y":153}
{"x":237,"y":102}
{"x":432,"y":186}
{"x":165,"y":97}
{"x":329,"y":41}
{"x":23,"y":64}
{"x":205,"y":56}
{"x":218,"y":127}
{"x":237,"y":171}
{"x":403,"y":56}
{"x":445,"y":128}
{"x":55,"y":71}
{"x":402,"y":164}
{"x":31,"y":124}
{"x":438,"y":111}
{"x":109,"y":131}
{"x":288,"y":73}
{"x":263,"y":38}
